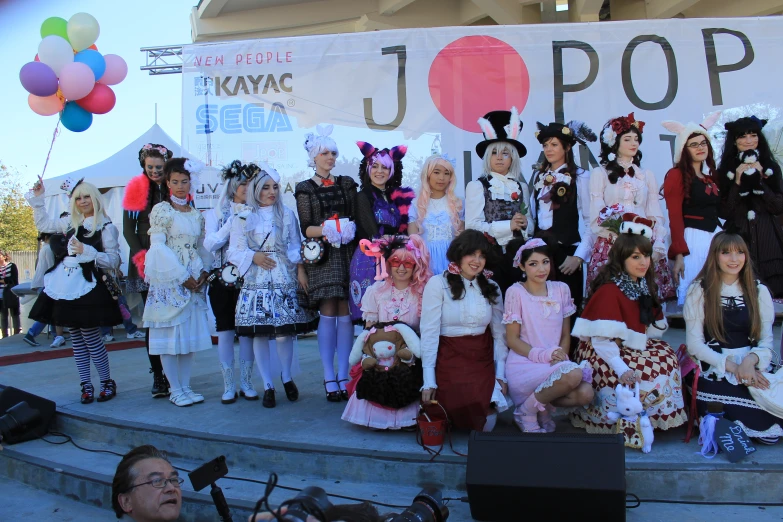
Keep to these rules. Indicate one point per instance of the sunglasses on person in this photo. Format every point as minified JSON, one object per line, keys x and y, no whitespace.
{"x":395,"y":262}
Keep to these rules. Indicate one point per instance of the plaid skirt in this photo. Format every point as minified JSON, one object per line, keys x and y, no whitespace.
{"x":663,"y":275}
{"x":328,"y":279}
{"x":660,"y":389}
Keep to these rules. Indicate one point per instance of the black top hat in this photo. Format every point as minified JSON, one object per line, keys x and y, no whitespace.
{"x":569,"y":134}
{"x":494,"y":125}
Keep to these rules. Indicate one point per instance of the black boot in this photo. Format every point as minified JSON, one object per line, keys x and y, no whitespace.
{"x":269,"y":398}
{"x":88,"y":393}
{"x":160,"y":385}
{"x":108,"y":390}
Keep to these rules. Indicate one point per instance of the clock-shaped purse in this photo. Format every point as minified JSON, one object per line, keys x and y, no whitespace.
{"x":227,"y":275}
{"x":313,"y":250}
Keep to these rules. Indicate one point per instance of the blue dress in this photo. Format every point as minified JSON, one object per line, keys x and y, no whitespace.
{"x":437,"y":230}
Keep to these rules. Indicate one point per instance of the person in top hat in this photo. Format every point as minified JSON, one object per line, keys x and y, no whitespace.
{"x":620,"y":329}
{"x":755,"y":215}
{"x":619,"y":183}
{"x":497,"y":204}
{"x":560,"y":203}
{"x":692,"y":199}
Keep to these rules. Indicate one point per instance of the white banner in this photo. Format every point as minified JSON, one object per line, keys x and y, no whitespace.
{"x":256,"y":99}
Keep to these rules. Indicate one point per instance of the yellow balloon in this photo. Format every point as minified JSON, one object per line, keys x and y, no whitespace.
{"x":83,"y":31}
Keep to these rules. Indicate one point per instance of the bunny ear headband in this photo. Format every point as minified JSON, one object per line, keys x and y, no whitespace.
{"x":270,"y":171}
{"x":683,"y":131}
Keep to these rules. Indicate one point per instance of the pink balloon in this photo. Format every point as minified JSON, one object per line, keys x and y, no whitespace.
{"x":45,"y":105}
{"x":116,"y":70}
{"x":76,"y":80}
{"x":100,"y":101}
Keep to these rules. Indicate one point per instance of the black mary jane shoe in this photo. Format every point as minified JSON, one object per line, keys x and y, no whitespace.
{"x":269,"y":398}
{"x":291,"y":391}
{"x":332,"y":396}
{"x":343,"y":393}
{"x":108,"y":390}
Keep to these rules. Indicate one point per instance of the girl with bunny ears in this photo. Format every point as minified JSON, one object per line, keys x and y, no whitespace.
{"x":321,"y":202}
{"x":692,"y":199}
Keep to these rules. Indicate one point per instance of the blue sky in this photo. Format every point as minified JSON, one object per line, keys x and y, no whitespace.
{"x":125,"y":27}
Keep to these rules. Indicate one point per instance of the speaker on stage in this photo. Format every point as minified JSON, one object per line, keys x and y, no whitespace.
{"x":546,"y":476}
{"x":24,"y":416}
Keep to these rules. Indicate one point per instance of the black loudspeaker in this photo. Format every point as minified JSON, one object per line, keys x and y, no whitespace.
{"x":546,"y":476}
{"x":19,"y":422}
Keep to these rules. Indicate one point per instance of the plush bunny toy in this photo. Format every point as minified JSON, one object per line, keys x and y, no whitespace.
{"x":631,"y":418}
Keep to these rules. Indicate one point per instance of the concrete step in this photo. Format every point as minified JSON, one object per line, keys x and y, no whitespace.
{"x":22,"y":502}
{"x":86,"y":477}
{"x":673,"y":471}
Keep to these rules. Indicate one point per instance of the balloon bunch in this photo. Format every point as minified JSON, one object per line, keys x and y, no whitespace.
{"x":69,"y":75}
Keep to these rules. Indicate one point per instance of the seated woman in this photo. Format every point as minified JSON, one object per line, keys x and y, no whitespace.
{"x":616,"y":329}
{"x":396,"y":299}
{"x":462,"y":346}
{"x":538,"y":329}
{"x":728,"y":329}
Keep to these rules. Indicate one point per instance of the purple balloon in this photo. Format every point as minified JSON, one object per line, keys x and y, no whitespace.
{"x":38,"y":79}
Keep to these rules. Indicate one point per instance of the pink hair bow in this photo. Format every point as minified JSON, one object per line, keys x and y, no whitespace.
{"x":372,"y":330}
{"x":389,"y":328}
{"x":533,"y":243}
{"x":410,"y":247}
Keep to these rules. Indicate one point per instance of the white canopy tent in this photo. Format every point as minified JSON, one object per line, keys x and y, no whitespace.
{"x":110,"y":176}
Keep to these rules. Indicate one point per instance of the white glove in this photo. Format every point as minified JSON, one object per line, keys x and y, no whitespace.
{"x":349,"y":231}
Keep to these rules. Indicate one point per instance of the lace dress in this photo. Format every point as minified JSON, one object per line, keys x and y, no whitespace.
{"x":268,"y":303}
{"x":437,"y":230}
{"x":176,"y":316}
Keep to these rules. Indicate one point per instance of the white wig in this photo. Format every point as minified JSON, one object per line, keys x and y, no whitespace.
{"x":315,"y":144}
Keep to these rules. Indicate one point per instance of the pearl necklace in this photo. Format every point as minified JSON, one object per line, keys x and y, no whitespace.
{"x":625,"y":164}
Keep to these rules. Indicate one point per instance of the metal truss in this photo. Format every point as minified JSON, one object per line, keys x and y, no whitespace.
{"x":164,"y":59}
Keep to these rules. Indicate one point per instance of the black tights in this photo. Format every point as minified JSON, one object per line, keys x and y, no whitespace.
{"x":155,"y":364}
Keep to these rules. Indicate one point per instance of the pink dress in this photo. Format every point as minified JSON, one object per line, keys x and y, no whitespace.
{"x":383,"y":303}
{"x":541,"y":322}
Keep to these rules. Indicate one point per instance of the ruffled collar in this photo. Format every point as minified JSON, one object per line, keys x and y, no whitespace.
{"x":502,"y":187}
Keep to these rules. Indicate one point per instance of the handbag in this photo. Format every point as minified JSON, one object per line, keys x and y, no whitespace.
{"x":432,"y":428}
{"x":110,"y":283}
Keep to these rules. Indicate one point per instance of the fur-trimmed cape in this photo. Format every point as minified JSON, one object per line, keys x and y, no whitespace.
{"x":137,"y":194}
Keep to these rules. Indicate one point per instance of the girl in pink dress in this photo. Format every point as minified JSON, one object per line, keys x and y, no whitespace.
{"x":538,"y":369}
{"x":392,"y":300}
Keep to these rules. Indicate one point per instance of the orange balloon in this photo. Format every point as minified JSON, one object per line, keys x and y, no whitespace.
{"x":93,"y":47}
{"x":45,"y":105}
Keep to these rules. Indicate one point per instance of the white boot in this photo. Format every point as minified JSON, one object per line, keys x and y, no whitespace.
{"x":246,"y":380}
{"x":230,"y":389}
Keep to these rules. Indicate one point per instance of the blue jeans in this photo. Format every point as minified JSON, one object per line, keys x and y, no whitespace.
{"x":36,"y":328}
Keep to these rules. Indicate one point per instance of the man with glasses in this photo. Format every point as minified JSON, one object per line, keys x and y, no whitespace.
{"x":146,"y":488}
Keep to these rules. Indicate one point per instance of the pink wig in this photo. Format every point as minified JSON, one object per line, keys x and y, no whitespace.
{"x":454,"y":203}
{"x":417,"y":250}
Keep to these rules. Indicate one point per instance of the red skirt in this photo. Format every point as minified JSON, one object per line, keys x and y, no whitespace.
{"x":465,"y":373}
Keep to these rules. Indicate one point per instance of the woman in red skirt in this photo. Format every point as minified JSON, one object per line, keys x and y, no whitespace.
{"x":620,"y":330}
{"x":462,"y":345}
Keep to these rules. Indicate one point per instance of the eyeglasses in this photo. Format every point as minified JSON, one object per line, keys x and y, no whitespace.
{"x":408,"y":263}
{"x":160,"y":483}
{"x":700,"y":145}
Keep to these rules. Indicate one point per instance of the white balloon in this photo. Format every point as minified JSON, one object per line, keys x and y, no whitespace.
{"x":56,"y":52}
{"x":83,"y":31}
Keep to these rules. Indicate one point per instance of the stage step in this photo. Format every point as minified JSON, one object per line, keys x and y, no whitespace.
{"x":86,"y":477}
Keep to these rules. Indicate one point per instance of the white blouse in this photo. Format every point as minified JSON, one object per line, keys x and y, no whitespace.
{"x":637,"y":194}
{"x":217,"y":230}
{"x":261,"y":227}
{"x":694,"y":327}
{"x":543,"y":211}
{"x":501,"y":187}
{"x":441,"y":315}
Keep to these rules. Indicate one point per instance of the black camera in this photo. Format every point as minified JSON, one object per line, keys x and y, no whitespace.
{"x":428,"y":506}
{"x":311,"y":501}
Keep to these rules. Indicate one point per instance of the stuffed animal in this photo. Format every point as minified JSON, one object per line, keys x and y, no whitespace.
{"x":631,"y":418}
{"x":385,"y":347}
{"x":751,"y":178}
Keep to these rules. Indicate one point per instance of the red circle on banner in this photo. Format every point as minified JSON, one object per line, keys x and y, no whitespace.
{"x":475,"y":75}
